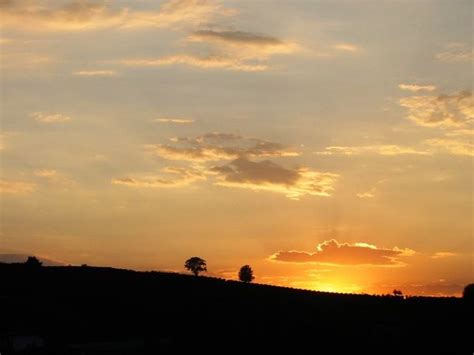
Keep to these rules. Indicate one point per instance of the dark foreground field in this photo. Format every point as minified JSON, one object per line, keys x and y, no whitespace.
{"x":85,"y":310}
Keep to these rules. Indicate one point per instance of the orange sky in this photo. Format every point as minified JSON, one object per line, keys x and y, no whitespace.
{"x":328,"y":144}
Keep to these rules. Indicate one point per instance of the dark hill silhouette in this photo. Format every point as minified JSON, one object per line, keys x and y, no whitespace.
{"x":92,"y":310}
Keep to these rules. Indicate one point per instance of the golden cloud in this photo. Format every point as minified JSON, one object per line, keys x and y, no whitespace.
{"x":453,"y":146}
{"x":382,"y":149}
{"x":334,"y":253}
{"x":83,"y":15}
{"x":444,"y":110}
{"x":204,"y":62}
{"x":174,"y":120}
{"x":50,"y":117}
{"x":171,"y":177}
{"x":443,"y":255}
{"x":416,"y":87}
{"x":88,"y":73}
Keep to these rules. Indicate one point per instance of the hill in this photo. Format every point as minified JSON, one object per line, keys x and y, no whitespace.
{"x":89,"y":310}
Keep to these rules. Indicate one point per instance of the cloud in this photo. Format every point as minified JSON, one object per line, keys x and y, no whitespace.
{"x":219,"y":146}
{"x":23,"y":60}
{"x":89,"y":73}
{"x":16,"y":187}
{"x":240,"y":172}
{"x":50,"y":117}
{"x":454,"y":110}
{"x":230,"y":50}
{"x":383,"y":149}
{"x":453,"y":146}
{"x":366,"y":194}
{"x":416,"y":87}
{"x":456,"y":53}
{"x":46,"y":173}
{"x":335,"y":253}
{"x":268,"y":176}
{"x":204,"y":62}
{"x":174,"y":120}
{"x":460,"y":133}
{"x":55,"y":178}
{"x":346,"y":47}
{"x":171,"y":177}
{"x":196,"y":154}
{"x":443,"y":255}
{"x":83,"y":15}
{"x":244,"y":45}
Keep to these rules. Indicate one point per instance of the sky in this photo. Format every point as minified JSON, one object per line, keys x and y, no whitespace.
{"x":328,"y":144}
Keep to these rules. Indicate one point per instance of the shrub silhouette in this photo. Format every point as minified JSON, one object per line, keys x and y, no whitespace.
{"x":468,"y":293}
{"x":33,"y":261}
{"x":246,"y":274}
{"x":195,"y":265}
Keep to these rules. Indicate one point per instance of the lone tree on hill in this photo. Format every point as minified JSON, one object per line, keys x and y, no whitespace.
{"x":33,"y":261}
{"x":195,"y":265}
{"x":246,"y":274}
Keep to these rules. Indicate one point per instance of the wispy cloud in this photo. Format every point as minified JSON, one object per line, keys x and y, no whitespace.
{"x":443,"y":255}
{"x":204,"y":62}
{"x":93,"y":73}
{"x":174,"y":120}
{"x":50,"y":117}
{"x":366,"y":194}
{"x":456,"y":53}
{"x":36,"y":15}
{"x":453,"y":146}
{"x":335,"y":253}
{"x":345,"y":47}
{"x":46,"y":173}
{"x":55,"y":178}
{"x":382,"y":149}
{"x":16,"y":187}
{"x":416,"y":87}
{"x":455,"y":110}
{"x":170,"y":177}
{"x":230,"y":50}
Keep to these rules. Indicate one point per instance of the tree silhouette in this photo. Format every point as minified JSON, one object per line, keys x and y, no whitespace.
{"x":246,"y":274}
{"x":33,"y":261}
{"x":195,"y":265}
{"x":397,"y":293}
{"x":468,"y":293}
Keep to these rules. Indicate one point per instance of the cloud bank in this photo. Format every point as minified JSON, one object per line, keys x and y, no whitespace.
{"x":335,"y":253}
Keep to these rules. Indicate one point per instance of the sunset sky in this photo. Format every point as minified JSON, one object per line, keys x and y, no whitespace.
{"x":328,"y":144}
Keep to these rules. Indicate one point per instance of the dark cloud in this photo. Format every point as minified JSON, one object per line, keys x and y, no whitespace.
{"x":219,"y":146}
{"x":269,"y":176}
{"x":238,"y":37}
{"x":246,"y":171}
